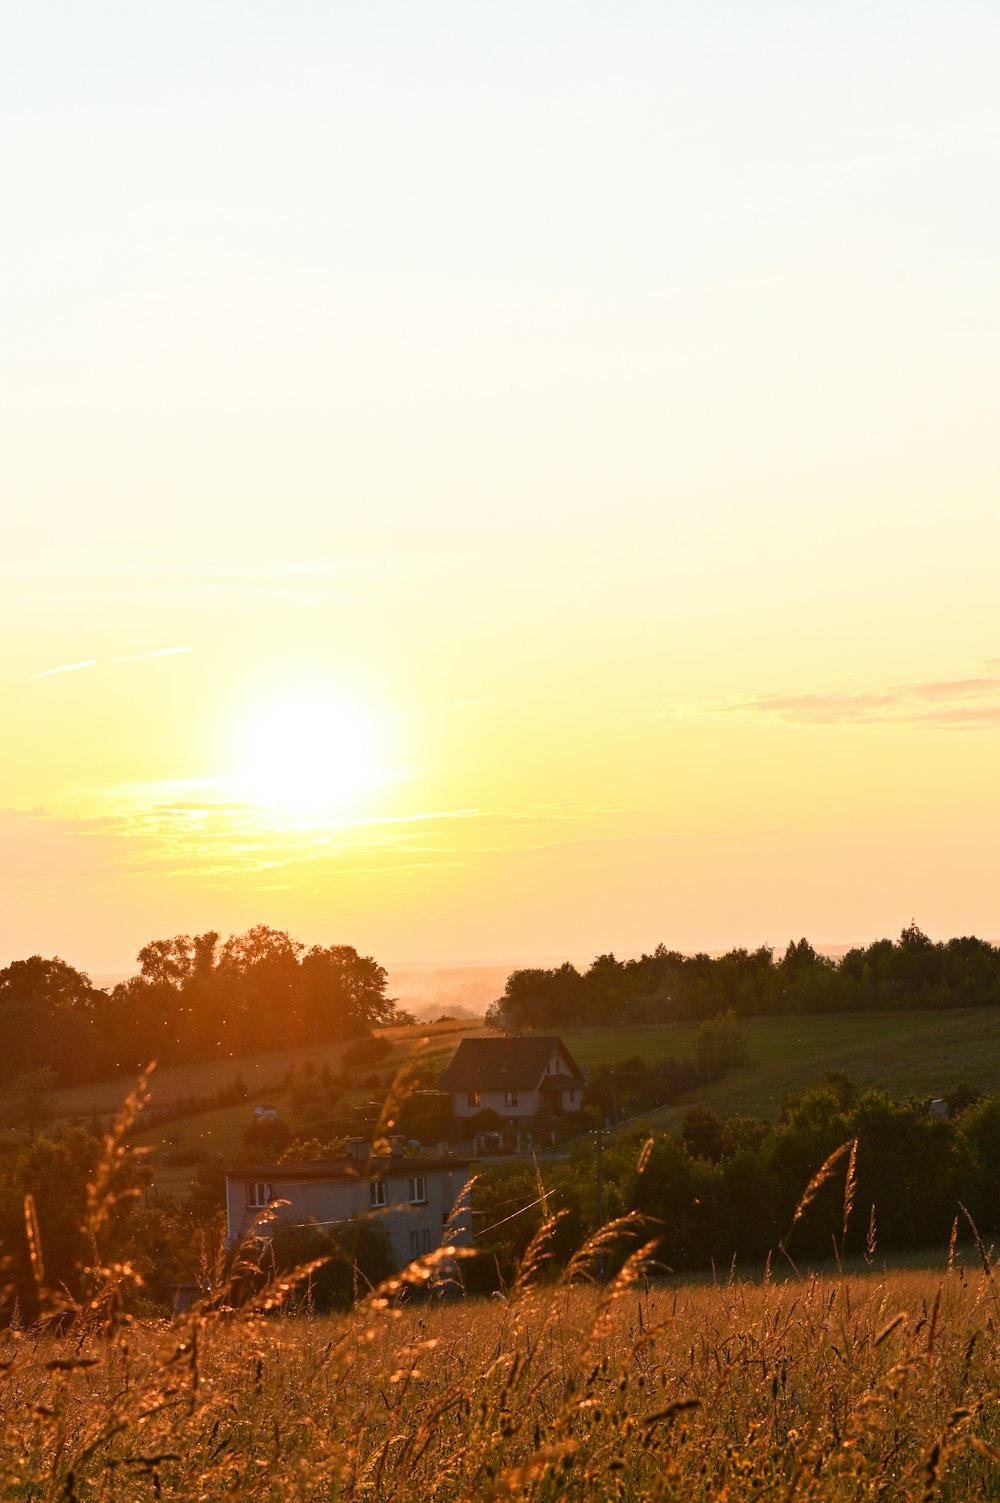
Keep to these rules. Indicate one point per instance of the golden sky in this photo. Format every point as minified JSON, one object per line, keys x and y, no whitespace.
{"x":491,"y":481}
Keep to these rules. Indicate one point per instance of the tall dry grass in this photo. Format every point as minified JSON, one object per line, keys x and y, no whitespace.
{"x":844,"y":1388}
{"x":882,"y":1386}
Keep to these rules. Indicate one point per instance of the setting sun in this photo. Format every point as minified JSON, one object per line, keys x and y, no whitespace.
{"x":496,"y":535}
{"x":307,"y":751}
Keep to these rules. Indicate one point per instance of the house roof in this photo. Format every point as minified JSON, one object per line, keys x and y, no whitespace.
{"x":510,"y":1064}
{"x":560,"y":1082}
{"x":345,"y":1169}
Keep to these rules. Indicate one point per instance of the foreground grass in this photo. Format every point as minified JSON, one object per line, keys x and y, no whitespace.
{"x":884,"y":1386}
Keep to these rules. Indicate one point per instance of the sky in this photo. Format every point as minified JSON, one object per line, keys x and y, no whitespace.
{"x":483,"y":482}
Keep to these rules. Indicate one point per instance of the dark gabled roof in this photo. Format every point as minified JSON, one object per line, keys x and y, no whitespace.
{"x":560,"y":1082}
{"x":508,"y":1064}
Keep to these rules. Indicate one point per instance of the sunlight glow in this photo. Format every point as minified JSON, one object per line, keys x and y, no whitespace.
{"x":308,"y":753}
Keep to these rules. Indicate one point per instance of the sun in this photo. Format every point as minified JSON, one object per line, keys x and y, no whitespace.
{"x":308,"y":751}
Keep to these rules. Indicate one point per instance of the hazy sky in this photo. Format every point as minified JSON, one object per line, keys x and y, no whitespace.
{"x":483,"y":481}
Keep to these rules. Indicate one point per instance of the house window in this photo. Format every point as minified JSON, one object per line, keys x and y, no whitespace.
{"x":259,"y":1195}
{"x":418,"y":1189}
{"x":425,"y":1240}
{"x":414,"y":1244}
{"x":420,"y":1242}
{"x":510,"y":1098}
{"x":376,"y":1193}
{"x":472,"y":1098}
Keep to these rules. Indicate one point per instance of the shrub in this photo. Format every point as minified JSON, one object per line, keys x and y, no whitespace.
{"x":367,"y":1051}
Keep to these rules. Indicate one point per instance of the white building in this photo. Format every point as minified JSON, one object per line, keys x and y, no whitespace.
{"x":422,"y":1202}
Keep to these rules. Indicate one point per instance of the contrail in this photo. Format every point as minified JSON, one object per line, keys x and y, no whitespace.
{"x":161,"y":652}
{"x":138,"y":657}
{"x":65,"y":668}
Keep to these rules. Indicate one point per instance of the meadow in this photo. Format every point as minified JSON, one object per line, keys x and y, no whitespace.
{"x":586,"y":1377}
{"x":846,"y":1387}
{"x":905,"y":1052}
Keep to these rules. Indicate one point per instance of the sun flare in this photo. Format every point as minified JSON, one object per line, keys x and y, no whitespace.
{"x":308,"y":752}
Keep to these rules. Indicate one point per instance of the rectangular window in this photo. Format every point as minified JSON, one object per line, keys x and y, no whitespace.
{"x":425,"y":1240}
{"x":418,"y":1190}
{"x":414,"y":1244}
{"x":259,"y":1195}
{"x":473,"y":1098}
{"x":510,"y":1099}
{"x":376,"y":1193}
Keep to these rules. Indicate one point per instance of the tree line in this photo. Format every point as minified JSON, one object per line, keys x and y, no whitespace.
{"x":194,"y":997}
{"x":666,"y":986}
{"x":895,"y":1177}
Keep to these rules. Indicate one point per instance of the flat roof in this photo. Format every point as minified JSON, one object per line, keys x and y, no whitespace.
{"x":344,"y":1168}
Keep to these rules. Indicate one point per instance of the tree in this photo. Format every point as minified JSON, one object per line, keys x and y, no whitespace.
{"x":801,"y":957}
{"x":979,"y":1132}
{"x":47,"y":1015}
{"x":260,"y":946}
{"x":344,"y":992}
{"x":24,"y":1100}
{"x":51,"y":984}
{"x":264,"y":1141}
{"x":535,"y":998}
{"x":76,"y":1232}
{"x":704,"y":1135}
{"x":178,"y":961}
{"x":719,"y":1045}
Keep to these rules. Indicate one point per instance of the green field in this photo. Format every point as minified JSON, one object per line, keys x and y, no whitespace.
{"x":217,"y":1129}
{"x":904,"y":1053}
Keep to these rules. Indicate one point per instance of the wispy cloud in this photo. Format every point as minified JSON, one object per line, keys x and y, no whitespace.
{"x":229,"y":847}
{"x":137,"y":657}
{"x":233,"y":845}
{"x":66,"y":668}
{"x":967,"y":704}
{"x":160,"y":652}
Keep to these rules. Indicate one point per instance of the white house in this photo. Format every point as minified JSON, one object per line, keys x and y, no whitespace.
{"x":417,"y":1200}
{"x":518,"y":1078}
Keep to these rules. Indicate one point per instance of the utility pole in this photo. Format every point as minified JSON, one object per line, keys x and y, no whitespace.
{"x":600,"y":1178}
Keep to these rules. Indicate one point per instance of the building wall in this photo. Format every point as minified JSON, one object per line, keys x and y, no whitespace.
{"x":413,"y":1229}
{"x":527,"y":1104}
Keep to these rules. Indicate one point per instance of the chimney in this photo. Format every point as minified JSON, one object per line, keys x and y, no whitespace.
{"x":396,"y":1144}
{"x":358,"y":1150}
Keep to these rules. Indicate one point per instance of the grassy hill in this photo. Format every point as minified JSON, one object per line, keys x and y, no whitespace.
{"x":904,"y":1053}
{"x":202,"y":1124}
{"x":920,"y":1053}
